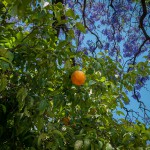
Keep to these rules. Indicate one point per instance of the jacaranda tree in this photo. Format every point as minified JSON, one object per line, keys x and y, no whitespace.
{"x":42,"y":43}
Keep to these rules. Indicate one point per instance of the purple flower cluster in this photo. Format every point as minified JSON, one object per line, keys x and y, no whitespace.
{"x":12,"y":20}
{"x":108,"y":33}
{"x":106,"y":46}
{"x":140,"y":82}
{"x":118,"y":37}
{"x":136,"y":95}
{"x":91,"y":45}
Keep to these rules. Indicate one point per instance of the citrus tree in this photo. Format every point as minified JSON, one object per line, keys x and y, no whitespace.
{"x":45,"y":101}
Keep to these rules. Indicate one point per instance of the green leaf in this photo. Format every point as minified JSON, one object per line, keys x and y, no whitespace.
{"x":19,"y":36}
{"x":78,"y":145}
{"x":3,"y":51}
{"x":67,"y":64}
{"x":51,"y":89}
{"x":120,"y":113}
{"x":70,"y":13}
{"x":80,"y":27}
{"x":90,"y":71}
{"x":6,"y":60}
{"x":87,"y":144}
{"x":108,"y":147}
{"x":102,"y":128}
{"x":6,"y":56}
{"x":59,"y":5}
{"x":58,"y":134}
{"x":42,"y":106}
{"x":21,"y":95}
{"x":91,"y":82}
{"x":9,"y":55}
{"x":103,"y":79}
{"x":71,"y":33}
{"x":42,"y":136}
{"x":100,"y":144}
{"x":39,"y":123}
{"x":125,"y":98}
{"x":3,"y":108}
{"x":139,"y":148}
{"x":126,"y":137}
{"x":4,"y":65}
{"x":3,"y":82}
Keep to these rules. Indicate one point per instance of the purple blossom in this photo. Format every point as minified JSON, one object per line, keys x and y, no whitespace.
{"x":77,"y":32}
{"x":140,"y":82}
{"x":114,"y":19}
{"x":103,"y":22}
{"x":83,"y":49}
{"x":119,"y":37}
{"x":130,"y":48}
{"x":81,"y":38}
{"x":70,"y":3}
{"x":91,"y":46}
{"x":108,"y":33}
{"x":12,"y":20}
{"x":136,"y":95}
{"x":106,"y":46}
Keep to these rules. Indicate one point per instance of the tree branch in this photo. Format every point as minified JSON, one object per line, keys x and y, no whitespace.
{"x":143,"y":3}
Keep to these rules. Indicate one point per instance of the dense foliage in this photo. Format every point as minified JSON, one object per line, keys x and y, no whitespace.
{"x":41,"y":45}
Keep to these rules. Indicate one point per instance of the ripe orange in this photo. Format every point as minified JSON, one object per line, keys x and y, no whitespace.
{"x":66,"y":121}
{"x":78,"y":77}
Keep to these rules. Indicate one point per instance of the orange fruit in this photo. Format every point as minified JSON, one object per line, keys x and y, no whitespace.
{"x":66,"y":121}
{"x":78,"y":77}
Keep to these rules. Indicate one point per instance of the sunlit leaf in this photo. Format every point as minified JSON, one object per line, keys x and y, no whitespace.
{"x":70,"y":13}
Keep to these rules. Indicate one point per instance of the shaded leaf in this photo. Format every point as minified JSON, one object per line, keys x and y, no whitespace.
{"x":21,"y":95}
{"x":42,"y":136}
{"x":3,"y":82}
